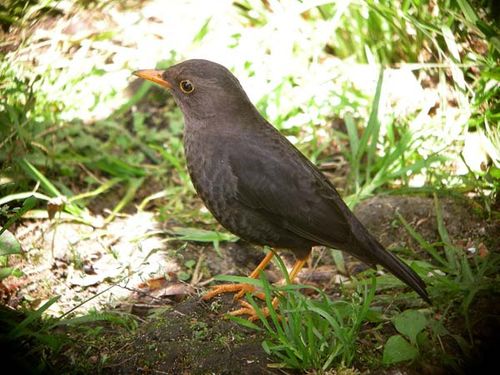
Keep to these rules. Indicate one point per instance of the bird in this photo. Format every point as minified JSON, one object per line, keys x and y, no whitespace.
{"x":256,"y":183}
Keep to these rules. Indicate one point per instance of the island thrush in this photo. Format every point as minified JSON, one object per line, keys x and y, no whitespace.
{"x":256,"y":183}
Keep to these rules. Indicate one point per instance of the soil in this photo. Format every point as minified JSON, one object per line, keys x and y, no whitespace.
{"x":180,"y":334}
{"x":462,"y":221}
{"x":189,"y":338}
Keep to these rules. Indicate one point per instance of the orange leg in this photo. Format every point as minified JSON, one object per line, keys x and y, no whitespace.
{"x":299,"y":264}
{"x":243,"y":287}
{"x":248,"y":309}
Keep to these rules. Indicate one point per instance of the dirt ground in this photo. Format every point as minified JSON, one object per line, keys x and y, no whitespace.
{"x":180,"y":334}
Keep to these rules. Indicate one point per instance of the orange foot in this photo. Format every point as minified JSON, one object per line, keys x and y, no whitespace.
{"x":241,"y":289}
{"x":247,"y":309}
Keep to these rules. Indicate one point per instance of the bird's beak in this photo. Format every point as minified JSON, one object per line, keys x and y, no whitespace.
{"x":153,"y":75}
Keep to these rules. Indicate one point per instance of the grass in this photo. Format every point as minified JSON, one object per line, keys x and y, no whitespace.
{"x":465,"y":276}
{"x":70,"y":140}
{"x":400,"y":158}
{"x":309,"y":333}
{"x":319,"y":333}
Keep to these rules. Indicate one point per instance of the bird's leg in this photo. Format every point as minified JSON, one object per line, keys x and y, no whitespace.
{"x":255,"y":275}
{"x":241,"y":288}
{"x":247,"y":308}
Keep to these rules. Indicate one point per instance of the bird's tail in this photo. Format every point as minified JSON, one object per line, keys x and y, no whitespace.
{"x":374,"y":253}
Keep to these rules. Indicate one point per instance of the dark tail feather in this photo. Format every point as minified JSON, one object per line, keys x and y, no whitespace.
{"x":374,"y":253}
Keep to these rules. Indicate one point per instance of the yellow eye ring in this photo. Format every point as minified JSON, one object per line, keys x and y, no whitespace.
{"x":186,"y":86}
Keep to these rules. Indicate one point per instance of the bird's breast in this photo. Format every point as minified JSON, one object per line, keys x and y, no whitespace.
{"x":207,"y":159}
{"x":207,"y":163}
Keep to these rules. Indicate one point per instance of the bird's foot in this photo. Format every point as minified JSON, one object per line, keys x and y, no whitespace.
{"x":239,"y":289}
{"x":250,"y":289}
{"x":248,"y":309}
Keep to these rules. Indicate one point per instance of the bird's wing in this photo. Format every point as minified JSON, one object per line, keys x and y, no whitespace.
{"x":276,"y":180}
{"x":279,"y":182}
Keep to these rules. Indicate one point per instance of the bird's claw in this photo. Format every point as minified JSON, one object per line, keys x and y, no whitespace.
{"x":239,"y":289}
{"x":248,"y":309}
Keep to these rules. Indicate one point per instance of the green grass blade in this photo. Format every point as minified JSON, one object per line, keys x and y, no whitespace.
{"x":21,"y":327}
{"x":421,"y":241}
{"x":28,"y":204}
{"x":449,"y":250}
{"x":133,"y":185}
{"x":101,"y":189}
{"x":34,"y":173}
{"x":373,"y":126}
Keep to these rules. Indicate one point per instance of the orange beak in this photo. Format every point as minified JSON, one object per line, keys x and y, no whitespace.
{"x":153,"y":75}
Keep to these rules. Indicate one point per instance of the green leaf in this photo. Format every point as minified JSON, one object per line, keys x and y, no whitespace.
{"x":9,"y":244}
{"x":203,"y":31}
{"x":118,"y":167}
{"x":410,"y":323}
{"x":338,"y":258}
{"x":421,"y":241}
{"x":352,"y":132}
{"x":238,"y":279}
{"x":495,"y":172}
{"x":265,"y":346}
{"x":397,"y":349}
{"x":36,"y":175}
{"x":373,"y":127}
{"x":21,"y":328}
{"x":183,"y":276}
{"x":133,"y":185}
{"x":202,"y":235}
{"x":468,"y":11}
{"x":28,"y":204}
{"x":451,"y":252}
{"x":9,"y":271}
{"x":25,"y":195}
{"x":245,"y":323}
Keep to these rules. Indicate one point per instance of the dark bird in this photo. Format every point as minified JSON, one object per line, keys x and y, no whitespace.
{"x":256,"y":183}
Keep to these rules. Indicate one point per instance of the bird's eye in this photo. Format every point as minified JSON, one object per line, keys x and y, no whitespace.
{"x":186,"y":86}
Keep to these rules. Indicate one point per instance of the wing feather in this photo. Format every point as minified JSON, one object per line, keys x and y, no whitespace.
{"x":292,"y":193}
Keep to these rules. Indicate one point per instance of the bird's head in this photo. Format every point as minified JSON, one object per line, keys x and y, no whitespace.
{"x":201,"y":88}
